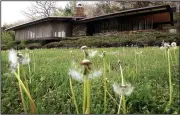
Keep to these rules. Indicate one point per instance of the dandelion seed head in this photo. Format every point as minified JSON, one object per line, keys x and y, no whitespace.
{"x":75,"y":75}
{"x":13,"y":59}
{"x":95,"y":74}
{"x":125,"y":90}
{"x":23,"y":59}
{"x":174,"y":45}
{"x":13,"y":56}
{"x":166,"y":45}
{"x":92,"y":53}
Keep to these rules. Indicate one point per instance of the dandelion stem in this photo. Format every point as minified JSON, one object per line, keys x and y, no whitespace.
{"x":21,"y":93}
{"x":170,"y":82}
{"x":112,"y":98}
{"x":24,"y":76}
{"x":175,"y":56}
{"x":84,"y":96}
{"x":88,"y":96}
{"x":26,"y":91}
{"x":122,"y":77}
{"x":123,"y":97}
{"x":120,"y":100}
{"x":34,"y":62}
{"x":136,"y":63}
{"x":105,"y":87}
{"x":26,"y":84}
{"x":73,"y":95}
{"x":124,"y":105}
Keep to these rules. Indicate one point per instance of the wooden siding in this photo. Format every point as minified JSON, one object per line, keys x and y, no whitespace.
{"x":61,"y":29}
{"x":45,"y":30}
{"x":33,"y":32}
{"x":128,"y":23}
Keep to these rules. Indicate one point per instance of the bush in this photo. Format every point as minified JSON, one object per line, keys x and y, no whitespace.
{"x":53,"y":45}
{"x":4,"y":47}
{"x":34,"y":46}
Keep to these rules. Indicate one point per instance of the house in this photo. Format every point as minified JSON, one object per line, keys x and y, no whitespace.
{"x":128,"y":20}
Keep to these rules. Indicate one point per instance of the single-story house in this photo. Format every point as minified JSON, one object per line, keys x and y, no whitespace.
{"x":128,"y":20}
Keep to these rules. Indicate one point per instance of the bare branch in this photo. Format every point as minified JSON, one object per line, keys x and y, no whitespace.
{"x":41,"y":9}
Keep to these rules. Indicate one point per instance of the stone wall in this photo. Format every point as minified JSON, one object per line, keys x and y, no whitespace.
{"x":79,"y":30}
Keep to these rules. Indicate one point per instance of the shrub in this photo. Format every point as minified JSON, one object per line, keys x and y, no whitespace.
{"x":34,"y":46}
{"x":4,"y":47}
{"x":53,"y":45}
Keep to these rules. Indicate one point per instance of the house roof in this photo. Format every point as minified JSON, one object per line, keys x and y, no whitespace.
{"x":151,"y":9}
{"x":44,"y":20}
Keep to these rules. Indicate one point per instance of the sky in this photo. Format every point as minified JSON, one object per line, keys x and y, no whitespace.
{"x":11,"y":11}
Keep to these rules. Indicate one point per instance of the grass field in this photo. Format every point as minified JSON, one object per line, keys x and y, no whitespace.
{"x":49,"y":81}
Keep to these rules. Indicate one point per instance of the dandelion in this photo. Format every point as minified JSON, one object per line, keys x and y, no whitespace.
{"x":13,"y":59}
{"x":166,"y":45}
{"x":174,"y":45}
{"x":124,"y":90}
{"x":92,"y":53}
{"x":95,"y":74}
{"x":102,"y":54}
{"x":24,"y":59}
{"x":17,"y":58}
{"x":76,"y":75}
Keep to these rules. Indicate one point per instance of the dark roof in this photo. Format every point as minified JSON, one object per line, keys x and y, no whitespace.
{"x":150,"y":9}
{"x":44,"y":20}
{"x":129,"y":12}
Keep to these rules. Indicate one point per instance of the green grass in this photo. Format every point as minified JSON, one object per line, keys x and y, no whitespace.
{"x":49,"y":84}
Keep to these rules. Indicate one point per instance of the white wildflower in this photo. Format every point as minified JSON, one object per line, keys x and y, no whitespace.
{"x":125,"y":90}
{"x":174,"y":45}
{"x":76,"y":75}
{"x":26,"y":59}
{"x":102,"y":54}
{"x":17,"y":58}
{"x":23,"y":59}
{"x":13,"y":59}
{"x":92,"y":53}
{"x":166,"y":44}
{"x":95,"y":74}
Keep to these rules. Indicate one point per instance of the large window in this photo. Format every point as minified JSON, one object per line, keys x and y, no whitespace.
{"x":32,"y":34}
{"x":59,"y":34}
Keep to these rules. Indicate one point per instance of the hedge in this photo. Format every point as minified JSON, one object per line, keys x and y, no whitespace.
{"x":141,"y":39}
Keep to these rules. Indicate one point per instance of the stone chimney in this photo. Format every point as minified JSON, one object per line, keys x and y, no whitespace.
{"x":79,"y":11}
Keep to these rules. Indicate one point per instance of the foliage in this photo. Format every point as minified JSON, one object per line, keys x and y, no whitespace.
{"x":141,"y":39}
{"x":69,"y":9}
{"x":7,"y":39}
{"x":34,"y":46}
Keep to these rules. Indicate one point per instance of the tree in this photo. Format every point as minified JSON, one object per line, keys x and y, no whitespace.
{"x":41,"y":9}
{"x":69,"y":9}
